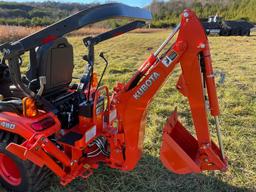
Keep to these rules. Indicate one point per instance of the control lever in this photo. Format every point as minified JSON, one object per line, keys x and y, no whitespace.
{"x":103,"y":57}
{"x":106,"y":61}
{"x":84,"y":79}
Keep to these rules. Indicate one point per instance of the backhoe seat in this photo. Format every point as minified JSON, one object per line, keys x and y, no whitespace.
{"x":54,"y":61}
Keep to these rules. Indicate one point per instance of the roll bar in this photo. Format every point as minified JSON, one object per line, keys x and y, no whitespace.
{"x":114,"y":33}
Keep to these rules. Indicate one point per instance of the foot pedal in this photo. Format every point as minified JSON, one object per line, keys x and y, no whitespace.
{"x":70,"y":138}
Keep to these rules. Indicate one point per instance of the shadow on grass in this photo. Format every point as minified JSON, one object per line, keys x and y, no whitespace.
{"x":149,"y":176}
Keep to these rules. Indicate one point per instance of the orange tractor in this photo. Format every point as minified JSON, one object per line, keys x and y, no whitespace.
{"x":48,"y":126}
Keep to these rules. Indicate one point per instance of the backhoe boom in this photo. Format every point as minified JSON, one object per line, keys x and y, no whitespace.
{"x":132,"y":100}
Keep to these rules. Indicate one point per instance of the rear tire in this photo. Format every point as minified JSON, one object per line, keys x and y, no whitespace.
{"x":21,"y":176}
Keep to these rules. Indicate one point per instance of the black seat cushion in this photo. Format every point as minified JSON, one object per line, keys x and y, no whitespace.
{"x":53,"y":60}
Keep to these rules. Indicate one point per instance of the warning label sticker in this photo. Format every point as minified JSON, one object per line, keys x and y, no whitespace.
{"x":169,"y":59}
{"x":90,"y":134}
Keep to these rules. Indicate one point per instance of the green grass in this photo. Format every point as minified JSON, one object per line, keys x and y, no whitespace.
{"x":236,"y":57}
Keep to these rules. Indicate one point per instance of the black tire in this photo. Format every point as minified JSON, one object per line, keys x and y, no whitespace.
{"x":245,"y":32}
{"x":224,"y":32}
{"x":33,"y":178}
{"x":248,"y":33}
{"x":235,"y":32}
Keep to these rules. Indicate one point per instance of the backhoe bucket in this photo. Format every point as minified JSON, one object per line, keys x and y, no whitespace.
{"x":181,"y":154}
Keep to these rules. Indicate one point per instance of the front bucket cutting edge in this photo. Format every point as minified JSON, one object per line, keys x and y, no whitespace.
{"x":181,"y":153}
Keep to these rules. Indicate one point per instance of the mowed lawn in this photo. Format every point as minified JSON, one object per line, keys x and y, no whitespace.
{"x":234,"y":56}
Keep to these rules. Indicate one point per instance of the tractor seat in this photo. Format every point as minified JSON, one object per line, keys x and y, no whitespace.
{"x":54,"y":61}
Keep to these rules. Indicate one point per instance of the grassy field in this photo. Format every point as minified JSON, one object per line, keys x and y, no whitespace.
{"x":12,"y":33}
{"x":234,"y":56}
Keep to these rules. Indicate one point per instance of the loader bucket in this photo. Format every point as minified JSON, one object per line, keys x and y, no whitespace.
{"x":179,"y":150}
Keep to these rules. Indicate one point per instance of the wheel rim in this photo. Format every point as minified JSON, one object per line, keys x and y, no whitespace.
{"x":9,"y":170}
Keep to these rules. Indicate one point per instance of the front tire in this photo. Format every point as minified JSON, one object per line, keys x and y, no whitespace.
{"x":17,"y":175}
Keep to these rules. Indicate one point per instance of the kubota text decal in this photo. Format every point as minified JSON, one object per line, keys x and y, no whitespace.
{"x":145,"y":86}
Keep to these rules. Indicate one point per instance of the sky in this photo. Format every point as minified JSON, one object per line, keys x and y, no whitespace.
{"x":139,"y":3}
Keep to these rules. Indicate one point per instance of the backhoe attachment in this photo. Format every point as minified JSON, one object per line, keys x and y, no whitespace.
{"x":181,"y":152}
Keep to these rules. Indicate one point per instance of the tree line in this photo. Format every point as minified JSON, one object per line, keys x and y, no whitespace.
{"x":165,"y":13}
{"x":37,"y":14}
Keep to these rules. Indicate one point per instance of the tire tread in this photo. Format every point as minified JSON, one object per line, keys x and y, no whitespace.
{"x":38,"y":177}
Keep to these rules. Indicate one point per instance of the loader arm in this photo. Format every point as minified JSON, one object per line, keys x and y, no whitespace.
{"x":180,"y":151}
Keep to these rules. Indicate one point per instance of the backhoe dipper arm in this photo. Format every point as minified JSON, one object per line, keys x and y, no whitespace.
{"x":180,"y":151}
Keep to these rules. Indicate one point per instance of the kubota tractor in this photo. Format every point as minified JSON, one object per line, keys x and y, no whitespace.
{"x":48,"y":126}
